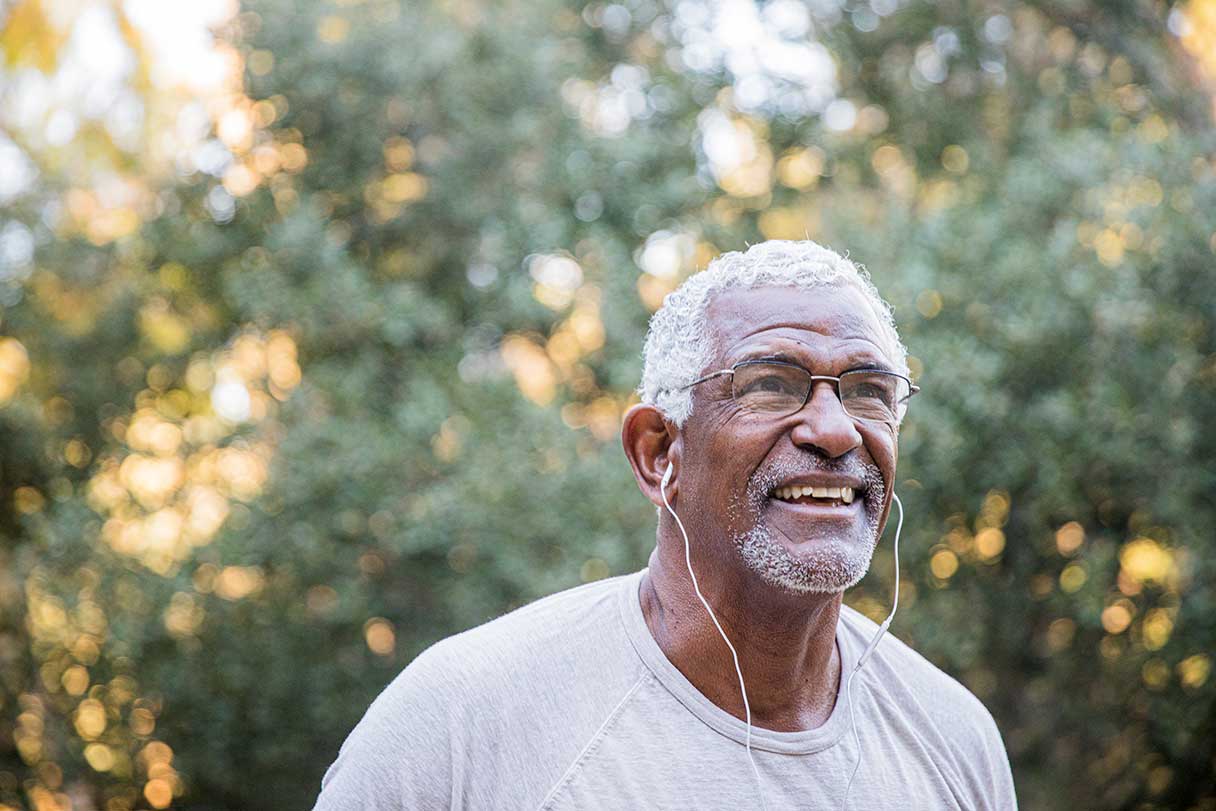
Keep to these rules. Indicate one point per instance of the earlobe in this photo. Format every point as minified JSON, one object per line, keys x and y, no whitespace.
{"x":648,"y":443}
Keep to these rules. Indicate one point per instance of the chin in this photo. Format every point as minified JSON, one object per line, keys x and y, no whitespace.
{"x":827,"y":566}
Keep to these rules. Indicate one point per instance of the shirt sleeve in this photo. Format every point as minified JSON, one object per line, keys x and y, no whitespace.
{"x":399,"y":756}
{"x":1004,"y":795}
{"x":990,"y":774}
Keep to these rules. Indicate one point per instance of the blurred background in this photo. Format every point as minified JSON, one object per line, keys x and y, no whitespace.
{"x":318,"y":320}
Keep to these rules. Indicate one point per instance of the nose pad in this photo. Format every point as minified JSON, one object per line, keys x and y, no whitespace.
{"x":824,"y":424}
{"x":824,"y":400}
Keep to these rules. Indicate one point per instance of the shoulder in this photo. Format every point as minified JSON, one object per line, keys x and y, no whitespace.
{"x":578,"y":625}
{"x":945,"y":717}
{"x":895,"y":662}
{"x":531,"y":685}
{"x":566,"y":656}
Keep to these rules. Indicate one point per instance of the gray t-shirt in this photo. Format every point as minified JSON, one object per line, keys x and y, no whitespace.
{"x":569,"y":703}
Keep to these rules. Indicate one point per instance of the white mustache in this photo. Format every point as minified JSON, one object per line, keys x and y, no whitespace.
{"x":764,"y":482}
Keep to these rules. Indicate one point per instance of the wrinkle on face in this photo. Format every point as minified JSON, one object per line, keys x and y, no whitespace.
{"x":743,"y":455}
{"x":824,"y":568}
{"x":799,"y":352}
{"x":851,"y":327}
{"x":826,"y":355}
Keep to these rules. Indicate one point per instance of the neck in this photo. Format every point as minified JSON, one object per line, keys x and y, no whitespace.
{"x":786,"y":642}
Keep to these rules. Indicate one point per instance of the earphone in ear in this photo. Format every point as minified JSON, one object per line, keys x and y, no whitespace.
{"x":666,"y":477}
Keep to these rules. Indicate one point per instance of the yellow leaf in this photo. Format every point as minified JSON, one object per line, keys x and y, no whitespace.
{"x":29,"y":38}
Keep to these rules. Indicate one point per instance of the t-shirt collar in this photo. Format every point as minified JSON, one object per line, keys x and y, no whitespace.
{"x":803,"y":742}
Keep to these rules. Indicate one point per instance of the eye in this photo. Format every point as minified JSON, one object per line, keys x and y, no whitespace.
{"x":768,"y":384}
{"x":872,"y":396}
{"x":874,"y":390}
{"x":771,"y":388}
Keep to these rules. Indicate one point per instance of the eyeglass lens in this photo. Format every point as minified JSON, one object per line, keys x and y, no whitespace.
{"x":780,"y":389}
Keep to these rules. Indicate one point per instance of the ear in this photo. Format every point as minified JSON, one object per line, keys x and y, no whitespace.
{"x":651,"y":443}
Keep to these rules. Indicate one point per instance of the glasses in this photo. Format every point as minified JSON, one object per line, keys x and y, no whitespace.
{"x":781,"y":389}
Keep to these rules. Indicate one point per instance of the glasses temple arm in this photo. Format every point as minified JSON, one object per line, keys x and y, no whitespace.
{"x":718,"y":373}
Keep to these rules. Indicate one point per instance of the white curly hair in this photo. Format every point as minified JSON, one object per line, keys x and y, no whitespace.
{"x":680,"y":342}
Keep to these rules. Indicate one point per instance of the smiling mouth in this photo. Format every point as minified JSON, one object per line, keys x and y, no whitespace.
{"x":818,"y":496}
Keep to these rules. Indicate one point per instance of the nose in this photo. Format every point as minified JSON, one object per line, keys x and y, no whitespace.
{"x":823,"y":423}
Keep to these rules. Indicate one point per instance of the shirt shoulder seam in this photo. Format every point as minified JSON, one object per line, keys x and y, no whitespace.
{"x":592,"y":743}
{"x":948,"y":771}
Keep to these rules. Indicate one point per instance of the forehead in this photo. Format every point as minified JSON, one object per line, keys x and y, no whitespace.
{"x":826,"y":317}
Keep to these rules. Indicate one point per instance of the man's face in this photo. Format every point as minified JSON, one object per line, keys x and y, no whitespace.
{"x":739,"y":466}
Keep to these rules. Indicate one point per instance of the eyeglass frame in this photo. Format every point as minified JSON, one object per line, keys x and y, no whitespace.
{"x":912,"y":387}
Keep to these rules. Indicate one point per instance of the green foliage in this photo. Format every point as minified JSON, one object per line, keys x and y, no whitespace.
{"x":1032,"y":188}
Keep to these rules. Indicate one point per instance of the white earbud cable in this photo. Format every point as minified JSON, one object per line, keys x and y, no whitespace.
{"x":848,"y":687}
{"x":882,"y":629}
{"x":742,"y":688}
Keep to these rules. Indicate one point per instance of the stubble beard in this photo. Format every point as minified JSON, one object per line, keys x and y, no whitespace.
{"x":825,"y":565}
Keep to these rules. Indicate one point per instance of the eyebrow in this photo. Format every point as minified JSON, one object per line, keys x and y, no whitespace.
{"x":862,"y":361}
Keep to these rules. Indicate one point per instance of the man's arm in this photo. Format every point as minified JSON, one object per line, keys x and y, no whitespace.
{"x":399,"y":756}
{"x":1003,"y":776}
{"x":990,"y":773}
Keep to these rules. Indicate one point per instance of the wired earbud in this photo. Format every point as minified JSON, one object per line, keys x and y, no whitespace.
{"x":747,"y":710}
{"x":882,"y":629}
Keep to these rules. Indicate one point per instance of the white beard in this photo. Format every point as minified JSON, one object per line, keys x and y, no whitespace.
{"x":829,"y":565}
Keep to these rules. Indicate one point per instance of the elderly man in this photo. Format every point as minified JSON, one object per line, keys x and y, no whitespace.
{"x":722,"y":675}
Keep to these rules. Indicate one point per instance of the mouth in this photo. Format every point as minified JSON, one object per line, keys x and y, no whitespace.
{"x":836,"y":494}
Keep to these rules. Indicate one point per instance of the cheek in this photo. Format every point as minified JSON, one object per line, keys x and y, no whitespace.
{"x":883,"y":446}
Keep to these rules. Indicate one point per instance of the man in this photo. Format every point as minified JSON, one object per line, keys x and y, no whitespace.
{"x":767,"y":436}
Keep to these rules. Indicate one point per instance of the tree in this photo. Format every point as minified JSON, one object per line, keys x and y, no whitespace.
{"x":353,"y":381}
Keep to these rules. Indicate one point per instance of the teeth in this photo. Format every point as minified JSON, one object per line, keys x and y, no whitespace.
{"x":845,"y":494}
